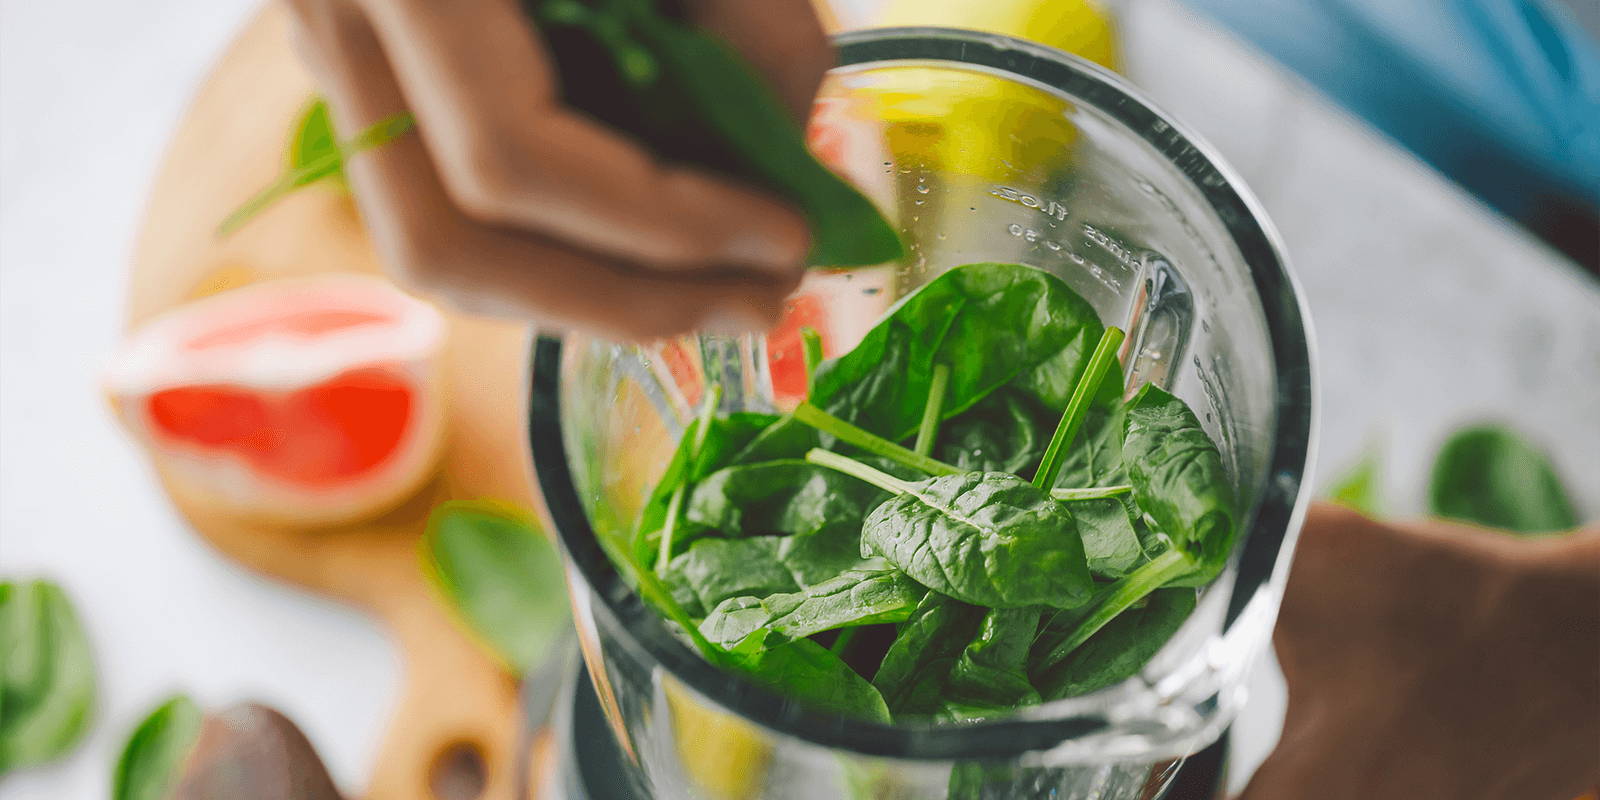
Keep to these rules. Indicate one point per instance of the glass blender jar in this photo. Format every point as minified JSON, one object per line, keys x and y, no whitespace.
{"x":982,"y":148}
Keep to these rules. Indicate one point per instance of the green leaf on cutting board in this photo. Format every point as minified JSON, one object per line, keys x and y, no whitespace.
{"x":151,"y":761}
{"x":1359,"y":488}
{"x":47,"y":678}
{"x":501,"y":575}
{"x":1489,"y":475}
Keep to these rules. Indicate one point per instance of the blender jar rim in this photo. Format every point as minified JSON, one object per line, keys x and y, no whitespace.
{"x":1275,"y":517}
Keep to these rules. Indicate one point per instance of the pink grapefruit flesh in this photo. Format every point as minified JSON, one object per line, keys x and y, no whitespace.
{"x":308,"y":399}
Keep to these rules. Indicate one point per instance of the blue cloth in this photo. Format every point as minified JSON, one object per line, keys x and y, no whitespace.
{"x":1502,"y":95}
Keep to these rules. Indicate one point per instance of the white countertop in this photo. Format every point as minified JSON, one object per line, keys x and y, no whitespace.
{"x":1430,"y":311}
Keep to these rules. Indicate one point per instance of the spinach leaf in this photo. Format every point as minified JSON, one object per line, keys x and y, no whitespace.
{"x":1096,"y":458}
{"x":1358,"y":488}
{"x":985,"y":538}
{"x":150,"y":762}
{"x":690,"y":98}
{"x":805,"y":670}
{"x":991,"y":674}
{"x":502,"y":577}
{"x":47,"y":680}
{"x":992,"y":324}
{"x":855,"y":597}
{"x":914,"y":671}
{"x":1119,"y":650}
{"x":1488,"y":475}
{"x":1084,"y":393}
{"x":311,"y":159}
{"x":776,"y":497}
{"x":725,"y":436}
{"x":1110,"y":544}
{"x":1001,"y":433}
{"x":1178,"y":478}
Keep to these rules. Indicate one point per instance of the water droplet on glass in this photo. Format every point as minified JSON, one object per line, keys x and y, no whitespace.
{"x":942,"y":236}
{"x":922,"y":188}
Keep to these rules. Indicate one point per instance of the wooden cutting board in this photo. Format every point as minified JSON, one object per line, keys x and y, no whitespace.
{"x":231,"y":142}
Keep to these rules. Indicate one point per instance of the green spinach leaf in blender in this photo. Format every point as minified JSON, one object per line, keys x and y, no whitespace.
{"x":1052,"y":563}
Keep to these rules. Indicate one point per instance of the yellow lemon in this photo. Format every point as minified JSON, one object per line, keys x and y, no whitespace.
{"x":723,"y":756}
{"x":1082,"y":27}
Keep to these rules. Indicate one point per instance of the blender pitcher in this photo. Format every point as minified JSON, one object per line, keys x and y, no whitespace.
{"x":981,"y":148}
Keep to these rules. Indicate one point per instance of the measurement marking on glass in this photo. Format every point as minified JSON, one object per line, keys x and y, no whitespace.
{"x":1034,"y":237}
{"x":1049,"y":208}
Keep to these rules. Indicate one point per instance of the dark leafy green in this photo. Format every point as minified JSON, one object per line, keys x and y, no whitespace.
{"x":47,"y":681}
{"x":1178,"y":478}
{"x":1002,"y":433}
{"x":1489,"y":475}
{"x":778,"y":497}
{"x":993,"y":325}
{"x":1119,"y":650}
{"x":991,"y":675}
{"x":855,"y":597}
{"x":713,"y":570}
{"x":985,"y":538}
{"x":806,"y":670}
{"x":1110,"y":544}
{"x":915,"y":670}
{"x":725,"y":435}
{"x":150,"y":762}
{"x":690,"y":98}
{"x":501,"y":575}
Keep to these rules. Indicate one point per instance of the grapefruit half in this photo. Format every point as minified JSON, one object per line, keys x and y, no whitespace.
{"x":313,"y":400}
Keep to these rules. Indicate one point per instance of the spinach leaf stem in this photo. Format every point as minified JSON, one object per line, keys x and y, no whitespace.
{"x":856,"y":469}
{"x":928,"y":431}
{"x":811,"y":350}
{"x":1090,"y":493}
{"x":869,"y":441}
{"x":1121,"y":596}
{"x":1105,"y":353}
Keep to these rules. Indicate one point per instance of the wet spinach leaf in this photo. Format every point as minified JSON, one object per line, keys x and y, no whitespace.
{"x":991,"y":675}
{"x":985,"y":538}
{"x":855,"y":597}
{"x":1178,"y":478}
{"x":992,"y":324}
{"x":805,"y":670}
{"x":1119,"y":650}
{"x":1004,"y":432}
{"x":915,"y":670}
{"x":1489,"y":475}
{"x":47,"y":678}
{"x":780,"y":497}
{"x":1110,"y":544}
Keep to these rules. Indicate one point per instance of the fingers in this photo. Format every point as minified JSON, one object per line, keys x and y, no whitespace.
{"x":509,"y":154}
{"x":782,"y":39}
{"x":436,"y":248}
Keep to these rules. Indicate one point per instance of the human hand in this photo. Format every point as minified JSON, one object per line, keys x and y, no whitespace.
{"x":510,"y":203}
{"x":1437,"y":660}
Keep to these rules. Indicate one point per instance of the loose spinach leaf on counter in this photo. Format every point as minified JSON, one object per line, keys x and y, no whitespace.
{"x":1117,"y":651}
{"x":47,"y":679}
{"x":502,"y":577}
{"x":985,"y":538}
{"x":1489,"y":475}
{"x":690,"y":98}
{"x":993,"y":325}
{"x":155,"y":752}
{"x":855,"y":597}
{"x":1358,"y":488}
{"x":806,"y":670}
